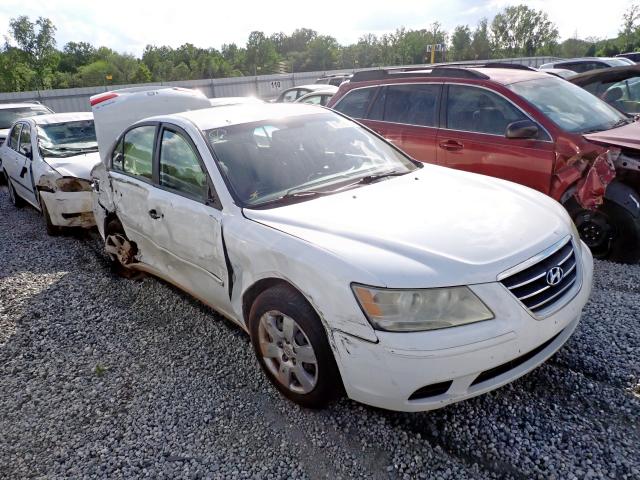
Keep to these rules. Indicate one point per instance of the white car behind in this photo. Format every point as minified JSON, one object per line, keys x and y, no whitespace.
{"x":352,"y":267}
{"x":47,"y":161}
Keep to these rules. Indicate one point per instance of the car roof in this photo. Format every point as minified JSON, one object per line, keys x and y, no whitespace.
{"x":504,"y":76}
{"x":613,"y":74}
{"x":4,"y":106}
{"x":60,"y":118}
{"x":312,"y":86}
{"x":216,"y":117}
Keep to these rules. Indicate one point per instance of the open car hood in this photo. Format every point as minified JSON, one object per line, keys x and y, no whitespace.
{"x":627,"y":136}
{"x":78,"y":166}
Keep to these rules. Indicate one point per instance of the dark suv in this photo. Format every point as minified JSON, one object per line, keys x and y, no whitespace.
{"x":520,"y":125}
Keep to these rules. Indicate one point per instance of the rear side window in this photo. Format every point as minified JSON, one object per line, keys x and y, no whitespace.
{"x":25,"y":140}
{"x":15,"y":136}
{"x":408,"y":104}
{"x":290,"y":96}
{"x":356,"y":102}
{"x":472,"y":109}
{"x":180,"y":168}
{"x":137,"y":151}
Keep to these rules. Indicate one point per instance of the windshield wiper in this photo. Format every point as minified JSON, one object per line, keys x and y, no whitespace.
{"x":377,"y":176}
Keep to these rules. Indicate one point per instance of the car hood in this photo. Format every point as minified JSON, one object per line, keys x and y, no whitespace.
{"x":627,"y":136}
{"x":78,"y":166}
{"x":433,"y":227}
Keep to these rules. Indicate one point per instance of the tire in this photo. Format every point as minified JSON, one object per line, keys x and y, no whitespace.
{"x":288,"y":358}
{"x":118,"y":266}
{"x":610,"y":231}
{"x":52,"y":230}
{"x":14,"y":198}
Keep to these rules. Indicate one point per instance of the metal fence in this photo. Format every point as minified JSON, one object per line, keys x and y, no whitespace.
{"x":263,"y":86}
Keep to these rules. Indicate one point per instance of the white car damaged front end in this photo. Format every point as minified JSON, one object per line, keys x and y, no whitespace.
{"x":64,"y":187}
{"x":343,"y":254}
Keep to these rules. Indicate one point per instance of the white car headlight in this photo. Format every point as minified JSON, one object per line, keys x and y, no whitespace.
{"x":417,"y":310}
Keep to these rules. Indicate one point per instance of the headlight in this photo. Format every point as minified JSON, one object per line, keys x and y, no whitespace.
{"x":417,"y":310}
{"x":73,"y":185}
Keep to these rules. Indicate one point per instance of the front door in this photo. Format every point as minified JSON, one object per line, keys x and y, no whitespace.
{"x":186,"y":223}
{"x":22,"y":175}
{"x":474,"y":139}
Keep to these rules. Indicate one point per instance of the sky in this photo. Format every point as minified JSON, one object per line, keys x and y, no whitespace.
{"x":127,"y":26}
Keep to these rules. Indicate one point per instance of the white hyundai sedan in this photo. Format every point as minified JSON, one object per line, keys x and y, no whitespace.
{"x":47,"y":160}
{"x":352,"y":267}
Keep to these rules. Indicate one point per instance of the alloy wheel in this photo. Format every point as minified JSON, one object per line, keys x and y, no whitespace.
{"x":287,"y":352}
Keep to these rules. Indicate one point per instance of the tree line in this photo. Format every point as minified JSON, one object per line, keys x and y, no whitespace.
{"x":30,"y":59}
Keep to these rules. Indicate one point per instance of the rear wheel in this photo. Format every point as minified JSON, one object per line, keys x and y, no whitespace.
{"x":120,"y":250}
{"x":292,"y":347}
{"x":610,"y":231}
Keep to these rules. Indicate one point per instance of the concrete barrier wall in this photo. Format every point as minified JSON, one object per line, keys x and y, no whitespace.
{"x":263,"y":86}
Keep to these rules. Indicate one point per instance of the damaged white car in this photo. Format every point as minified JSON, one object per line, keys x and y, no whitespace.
{"x":47,"y":161}
{"x":353,"y":268}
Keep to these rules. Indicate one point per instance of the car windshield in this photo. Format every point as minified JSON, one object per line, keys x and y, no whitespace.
{"x":624,"y":95}
{"x":10,"y":115}
{"x":67,"y":139}
{"x":568,"y":106}
{"x":301,"y":156}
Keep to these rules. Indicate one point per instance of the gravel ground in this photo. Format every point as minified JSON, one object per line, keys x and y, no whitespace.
{"x":106,"y":377}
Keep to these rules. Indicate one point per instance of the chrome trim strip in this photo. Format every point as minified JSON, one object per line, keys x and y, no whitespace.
{"x":559,"y":292}
{"x":528,"y":281}
{"x":534,"y":293}
{"x":565,"y":258}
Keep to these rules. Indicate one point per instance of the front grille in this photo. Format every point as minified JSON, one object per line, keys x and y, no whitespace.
{"x":534,"y":285}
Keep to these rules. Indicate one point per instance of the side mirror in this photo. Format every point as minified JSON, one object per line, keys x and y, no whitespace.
{"x":29,"y":154}
{"x":522,"y":129}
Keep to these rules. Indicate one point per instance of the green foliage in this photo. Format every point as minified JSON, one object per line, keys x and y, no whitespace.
{"x":521,"y":30}
{"x":29,"y":59}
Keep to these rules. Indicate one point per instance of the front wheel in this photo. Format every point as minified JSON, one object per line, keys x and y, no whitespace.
{"x":14,"y":198}
{"x":52,"y":230}
{"x":610,"y":231}
{"x":292,"y":347}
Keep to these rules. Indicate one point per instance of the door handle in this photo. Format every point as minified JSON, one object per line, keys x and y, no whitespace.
{"x":153,"y":213}
{"x":23,"y":172}
{"x":451,"y":145}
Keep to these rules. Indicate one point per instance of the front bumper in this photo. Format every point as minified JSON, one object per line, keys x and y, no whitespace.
{"x":460,"y":362}
{"x":69,"y":209}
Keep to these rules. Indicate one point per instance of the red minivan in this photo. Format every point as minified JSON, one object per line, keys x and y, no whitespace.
{"x":520,"y":125}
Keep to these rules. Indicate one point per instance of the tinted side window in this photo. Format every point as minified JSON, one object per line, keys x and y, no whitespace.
{"x":15,"y":136}
{"x":138,"y":151}
{"x":25,"y":140}
{"x":180,"y":169}
{"x":290,"y":96}
{"x":473,"y":109}
{"x":411,"y":104}
{"x":355,"y":103}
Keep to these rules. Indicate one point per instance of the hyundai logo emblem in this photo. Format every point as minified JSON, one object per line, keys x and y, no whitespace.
{"x":554,"y":276}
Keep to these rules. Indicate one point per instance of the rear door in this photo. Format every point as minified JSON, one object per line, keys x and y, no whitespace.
{"x":10,"y":151}
{"x":407,"y":115}
{"x":472,"y":138}
{"x":186,"y":219}
{"x":131,"y":175}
